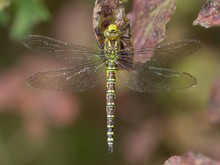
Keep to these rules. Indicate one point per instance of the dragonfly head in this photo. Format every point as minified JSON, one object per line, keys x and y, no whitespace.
{"x":112,"y":33}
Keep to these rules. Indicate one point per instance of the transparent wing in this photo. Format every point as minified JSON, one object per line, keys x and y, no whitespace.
{"x":161,"y":55}
{"x":60,"y":50}
{"x":75,"y":79}
{"x":154,"y":79}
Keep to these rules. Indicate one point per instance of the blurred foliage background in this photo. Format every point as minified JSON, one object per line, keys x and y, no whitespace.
{"x":44,"y":128}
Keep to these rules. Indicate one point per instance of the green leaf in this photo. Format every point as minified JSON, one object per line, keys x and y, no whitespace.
{"x":28,"y":13}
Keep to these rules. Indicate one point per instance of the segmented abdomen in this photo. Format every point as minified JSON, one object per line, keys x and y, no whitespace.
{"x":110,"y":104}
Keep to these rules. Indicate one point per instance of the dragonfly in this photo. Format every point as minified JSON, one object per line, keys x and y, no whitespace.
{"x":90,"y":65}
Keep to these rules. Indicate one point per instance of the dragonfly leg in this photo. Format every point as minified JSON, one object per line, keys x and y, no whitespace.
{"x":127,"y":26}
{"x":102,"y":46}
{"x":125,"y":37}
{"x":97,"y":32}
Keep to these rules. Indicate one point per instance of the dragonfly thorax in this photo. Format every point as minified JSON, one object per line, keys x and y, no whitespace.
{"x":112,"y":56}
{"x":112,"y":35}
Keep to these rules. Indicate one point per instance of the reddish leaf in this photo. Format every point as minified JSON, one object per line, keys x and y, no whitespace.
{"x":191,"y":159}
{"x":173,"y":160}
{"x":148,"y":21}
{"x":209,"y":15}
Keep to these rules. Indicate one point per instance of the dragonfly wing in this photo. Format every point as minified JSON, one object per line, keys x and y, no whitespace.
{"x":60,"y":50}
{"x":154,"y":79}
{"x":163,"y":54}
{"x":75,"y":79}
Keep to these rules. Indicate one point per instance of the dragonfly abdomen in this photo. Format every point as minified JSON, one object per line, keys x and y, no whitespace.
{"x":110,"y":104}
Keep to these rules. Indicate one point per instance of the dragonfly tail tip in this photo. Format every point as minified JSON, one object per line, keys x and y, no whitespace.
{"x":110,"y":148}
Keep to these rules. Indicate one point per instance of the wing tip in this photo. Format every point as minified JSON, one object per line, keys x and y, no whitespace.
{"x":25,"y":40}
{"x":28,"y":39}
{"x":199,"y":43}
{"x":29,"y":83}
{"x":196,"y":45}
{"x":195,"y":82}
{"x":192,"y":79}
